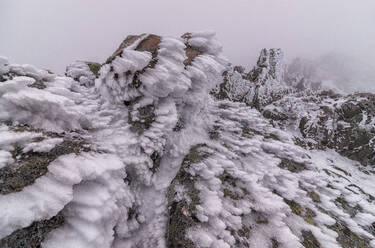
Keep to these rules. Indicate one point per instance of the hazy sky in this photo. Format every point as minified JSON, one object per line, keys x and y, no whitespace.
{"x":53,"y":33}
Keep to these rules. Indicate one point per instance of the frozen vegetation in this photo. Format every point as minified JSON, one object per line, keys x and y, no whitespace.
{"x":166,"y":144}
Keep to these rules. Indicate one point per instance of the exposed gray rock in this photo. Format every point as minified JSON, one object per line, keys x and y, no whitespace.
{"x":33,"y":235}
{"x":29,"y":166}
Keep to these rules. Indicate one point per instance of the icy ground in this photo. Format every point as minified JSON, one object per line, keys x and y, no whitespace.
{"x":142,"y":154}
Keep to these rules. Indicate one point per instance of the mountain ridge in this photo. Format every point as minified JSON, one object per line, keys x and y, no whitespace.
{"x":167,"y":144}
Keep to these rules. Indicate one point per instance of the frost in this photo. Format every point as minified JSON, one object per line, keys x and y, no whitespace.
{"x":9,"y":139}
{"x":201,"y":238}
{"x":39,"y":108}
{"x":43,"y":146}
{"x":50,"y":193}
{"x":81,"y":72}
{"x":5,"y":158}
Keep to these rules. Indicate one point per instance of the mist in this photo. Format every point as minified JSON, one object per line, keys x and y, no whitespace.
{"x":52,"y":34}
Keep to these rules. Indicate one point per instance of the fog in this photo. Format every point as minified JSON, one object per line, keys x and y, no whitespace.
{"x":51,"y":34}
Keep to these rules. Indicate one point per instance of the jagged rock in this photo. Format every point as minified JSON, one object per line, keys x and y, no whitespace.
{"x":346,"y":127}
{"x":261,"y":86}
{"x":343,"y":123}
{"x":234,"y":87}
{"x":269,"y":66}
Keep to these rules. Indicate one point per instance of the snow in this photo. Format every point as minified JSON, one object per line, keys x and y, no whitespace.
{"x":94,"y":210}
{"x":39,"y":108}
{"x":118,"y":92}
{"x":9,"y":139}
{"x":5,"y":158}
{"x":3,"y":65}
{"x":43,"y":146}
{"x":80,"y":71}
{"x":50,"y":193}
{"x":201,"y":238}
{"x":205,"y":41}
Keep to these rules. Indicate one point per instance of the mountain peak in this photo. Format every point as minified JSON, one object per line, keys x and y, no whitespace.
{"x":270,"y":66}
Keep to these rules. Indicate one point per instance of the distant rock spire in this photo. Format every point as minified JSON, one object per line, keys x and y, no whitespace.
{"x":269,"y":66}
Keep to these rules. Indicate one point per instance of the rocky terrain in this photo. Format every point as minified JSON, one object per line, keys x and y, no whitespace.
{"x":167,"y":144}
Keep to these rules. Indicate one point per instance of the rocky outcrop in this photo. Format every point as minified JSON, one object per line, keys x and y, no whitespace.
{"x":270,"y":66}
{"x":208,"y":197}
{"x":261,"y":86}
{"x":328,"y":120}
{"x":288,"y":96}
{"x":347,"y":127}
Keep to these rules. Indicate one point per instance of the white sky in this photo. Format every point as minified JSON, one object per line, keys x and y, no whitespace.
{"x":53,"y":33}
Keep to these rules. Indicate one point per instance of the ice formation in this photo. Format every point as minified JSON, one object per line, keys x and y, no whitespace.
{"x":167,"y":144}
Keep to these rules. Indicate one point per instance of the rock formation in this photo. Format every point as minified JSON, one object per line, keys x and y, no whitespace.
{"x":259,"y":87}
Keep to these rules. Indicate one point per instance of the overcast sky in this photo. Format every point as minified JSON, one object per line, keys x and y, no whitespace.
{"x":53,"y":33}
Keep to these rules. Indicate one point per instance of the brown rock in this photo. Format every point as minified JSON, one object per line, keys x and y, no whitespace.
{"x":127,"y":42}
{"x":150,"y":43}
{"x":191,"y":54}
{"x":190,"y":51}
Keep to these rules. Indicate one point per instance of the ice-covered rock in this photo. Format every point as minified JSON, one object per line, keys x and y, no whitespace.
{"x":325,"y":119}
{"x":261,"y":86}
{"x":168,"y":145}
{"x":269,"y":66}
{"x":84,"y":72}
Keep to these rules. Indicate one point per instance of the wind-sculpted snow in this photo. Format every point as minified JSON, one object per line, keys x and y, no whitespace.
{"x":168,"y":145}
{"x":51,"y":106}
{"x":83,"y":72}
{"x":254,"y":188}
{"x":50,"y":193}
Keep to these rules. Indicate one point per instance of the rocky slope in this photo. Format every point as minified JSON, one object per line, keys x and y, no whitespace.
{"x":168,"y":145}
